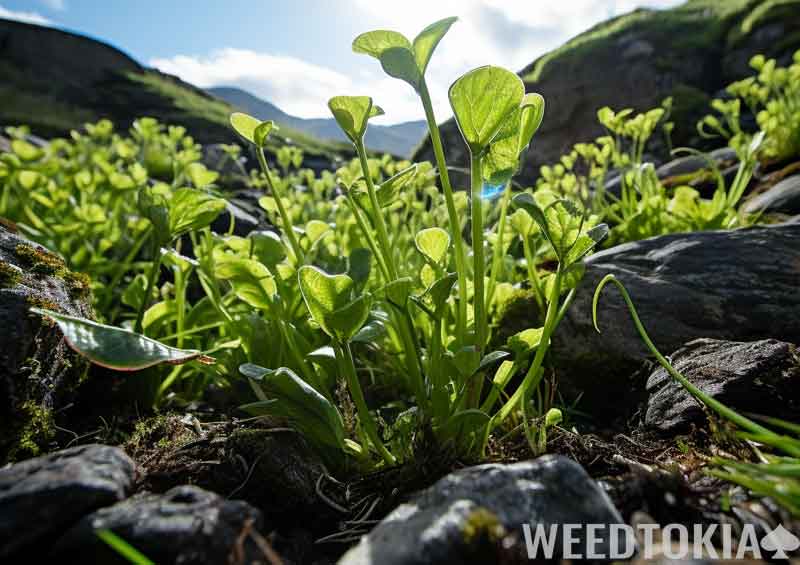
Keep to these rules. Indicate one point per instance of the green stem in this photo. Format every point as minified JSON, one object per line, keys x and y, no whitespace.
{"x":455,"y":224}
{"x":533,"y":274}
{"x":534,"y":375}
{"x":278,"y":196}
{"x":151,"y":281}
{"x":380,"y":224}
{"x":373,"y":246}
{"x":478,"y":263}
{"x":715,"y":405}
{"x":499,"y":249}
{"x":348,"y":367}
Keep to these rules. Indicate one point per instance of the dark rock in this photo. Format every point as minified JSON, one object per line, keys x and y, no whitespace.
{"x":682,"y":166}
{"x":38,"y":371}
{"x":455,"y":519}
{"x":724,"y":155}
{"x":760,"y":377}
{"x":186,"y":525}
{"x":736,"y":285}
{"x":782,"y":198}
{"x":41,"y":497}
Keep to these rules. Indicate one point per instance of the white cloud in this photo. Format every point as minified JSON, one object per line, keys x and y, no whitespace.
{"x":27,"y":17}
{"x":510,"y":33}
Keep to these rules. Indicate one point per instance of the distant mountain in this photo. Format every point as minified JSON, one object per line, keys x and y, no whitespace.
{"x":398,"y":139}
{"x":55,"y":81}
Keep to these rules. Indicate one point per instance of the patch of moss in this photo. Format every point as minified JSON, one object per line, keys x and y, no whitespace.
{"x":79,"y":284}
{"x":32,"y":434}
{"x":41,"y":261}
{"x":483,"y":526}
{"x":9,"y":275}
{"x":157,"y":432}
{"x":43,"y":303}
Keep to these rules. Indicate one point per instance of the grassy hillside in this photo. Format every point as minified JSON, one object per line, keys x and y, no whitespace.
{"x":55,"y":81}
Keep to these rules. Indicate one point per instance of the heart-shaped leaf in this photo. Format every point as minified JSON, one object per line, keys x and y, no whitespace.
{"x":433,"y":243}
{"x":531,"y":116}
{"x":561,"y":221}
{"x":352,"y":114}
{"x":268,"y":247}
{"x":482,"y":100}
{"x":200,"y":175}
{"x":526,"y":341}
{"x":245,"y":126}
{"x":359,"y":265}
{"x":251,"y":281}
{"x":308,"y":410}
{"x":116,"y":348}
{"x":191,"y":209}
{"x":398,"y":291}
{"x":328,"y":298}
{"x":398,"y":57}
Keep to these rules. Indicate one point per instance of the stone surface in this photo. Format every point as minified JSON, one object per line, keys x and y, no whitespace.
{"x":41,"y":497}
{"x":38,"y":371}
{"x":760,"y":377}
{"x":448,"y":522}
{"x":737,"y":285}
{"x":782,"y":198}
{"x":186,"y":525}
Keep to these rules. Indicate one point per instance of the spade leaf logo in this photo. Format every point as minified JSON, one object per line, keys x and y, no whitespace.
{"x":780,"y":541}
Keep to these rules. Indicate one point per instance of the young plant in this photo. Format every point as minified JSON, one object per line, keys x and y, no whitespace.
{"x":777,"y":476}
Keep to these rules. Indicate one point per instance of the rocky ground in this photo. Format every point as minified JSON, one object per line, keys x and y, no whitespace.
{"x":203,"y":487}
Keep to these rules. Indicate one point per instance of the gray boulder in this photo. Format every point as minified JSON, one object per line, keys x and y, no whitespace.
{"x":186,"y":525}
{"x":739,"y":285}
{"x":759,"y":377}
{"x":38,"y":371}
{"x":41,"y":497}
{"x":782,"y":198}
{"x":466,"y":514}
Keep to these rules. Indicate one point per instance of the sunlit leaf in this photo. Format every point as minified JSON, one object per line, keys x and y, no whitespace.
{"x":308,"y":410}
{"x":191,"y":209}
{"x":433,"y":243}
{"x":481,"y":100}
{"x":426,"y":41}
{"x":352,"y":114}
{"x":328,"y":298}
{"x":251,"y":281}
{"x":116,"y":348}
{"x":526,"y":341}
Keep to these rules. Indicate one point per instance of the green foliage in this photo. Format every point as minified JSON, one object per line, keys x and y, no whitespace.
{"x":771,"y":96}
{"x":777,"y":474}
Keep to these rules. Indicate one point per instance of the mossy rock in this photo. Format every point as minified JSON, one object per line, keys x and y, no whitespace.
{"x":38,"y":372}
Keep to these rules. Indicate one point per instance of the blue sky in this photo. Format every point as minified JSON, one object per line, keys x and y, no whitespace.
{"x":297,"y":53}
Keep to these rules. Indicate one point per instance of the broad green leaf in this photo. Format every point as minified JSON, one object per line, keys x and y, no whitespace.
{"x":153,"y":206}
{"x":28,"y":179}
{"x":522,"y":223}
{"x":191,"y":209}
{"x":200,"y":175}
{"x":481,"y":100}
{"x":315,"y":229}
{"x":561,"y":221}
{"x":394,"y":52}
{"x":399,"y":62}
{"x":328,"y":298}
{"x":313,"y":414}
{"x":251,"y":281}
{"x":388,"y":190}
{"x":433,"y":243}
{"x":371,"y":332}
{"x":427,"y":40}
{"x":325,"y":357}
{"x":268,"y":247}
{"x":245,"y":126}
{"x":26,"y":151}
{"x":374,"y":43}
{"x":526,"y":341}
{"x":352,"y":113}
{"x":116,"y":348}
{"x":585,"y":243}
{"x":398,"y":291}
